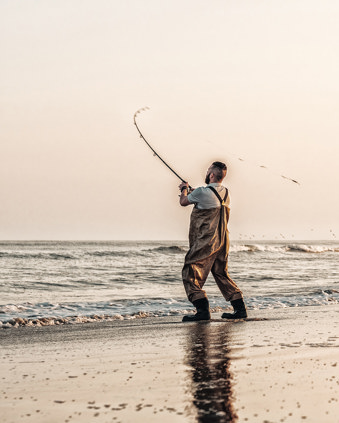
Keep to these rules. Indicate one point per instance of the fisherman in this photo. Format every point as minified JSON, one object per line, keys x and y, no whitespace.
{"x":209,"y":245}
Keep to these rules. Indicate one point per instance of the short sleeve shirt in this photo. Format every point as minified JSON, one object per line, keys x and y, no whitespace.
{"x":204,"y":198}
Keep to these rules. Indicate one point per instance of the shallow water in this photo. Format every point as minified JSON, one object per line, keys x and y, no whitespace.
{"x":76,"y":280}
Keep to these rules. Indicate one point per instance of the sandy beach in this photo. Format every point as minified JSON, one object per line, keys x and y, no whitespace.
{"x":277,"y":366}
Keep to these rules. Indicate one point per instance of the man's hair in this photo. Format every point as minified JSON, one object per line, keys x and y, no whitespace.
{"x":219,"y":170}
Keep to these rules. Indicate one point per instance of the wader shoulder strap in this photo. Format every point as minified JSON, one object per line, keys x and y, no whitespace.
{"x":222,"y":201}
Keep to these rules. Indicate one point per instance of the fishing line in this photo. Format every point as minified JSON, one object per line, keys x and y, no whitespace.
{"x":209,"y":142}
{"x":257,"y":165}
{"x":154,"y":152}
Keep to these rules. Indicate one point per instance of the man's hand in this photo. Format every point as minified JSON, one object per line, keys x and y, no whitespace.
{"x":182,"y":185}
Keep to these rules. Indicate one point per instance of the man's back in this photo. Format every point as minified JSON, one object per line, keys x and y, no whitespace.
{"x":204,"y":197}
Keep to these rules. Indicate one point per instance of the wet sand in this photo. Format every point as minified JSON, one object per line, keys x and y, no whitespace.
{"x":278,"y":366}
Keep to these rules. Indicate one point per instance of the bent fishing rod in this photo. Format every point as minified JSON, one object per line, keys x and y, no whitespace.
{"x":154,"y":152}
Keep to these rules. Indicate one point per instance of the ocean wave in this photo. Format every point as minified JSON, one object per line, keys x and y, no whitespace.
{"x":58,"y":256}
{"x":329,"y":291}
{"x":235,"y":248}
{"x":12,"y":308}
{"x":46,"y":314}
{"x":109,"y":253}
{"x":312,"y":248}
{"x":298,"y":248}
{"x":123,"y":253}
{"x":53,"y":256}
{"x":245,"y":248}
{"x":173,"y":249}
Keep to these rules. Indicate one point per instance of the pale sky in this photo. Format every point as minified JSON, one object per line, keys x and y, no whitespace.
{"x":250,"y":79}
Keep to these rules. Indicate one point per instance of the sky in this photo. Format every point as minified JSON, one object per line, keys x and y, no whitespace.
{"x":255,"y":80}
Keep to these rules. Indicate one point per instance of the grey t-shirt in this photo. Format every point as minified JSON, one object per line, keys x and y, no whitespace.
{"x":204,"y":198}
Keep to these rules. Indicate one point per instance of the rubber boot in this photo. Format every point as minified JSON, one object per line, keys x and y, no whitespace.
{"x":239,"y":310}
{"x":203,"y":311}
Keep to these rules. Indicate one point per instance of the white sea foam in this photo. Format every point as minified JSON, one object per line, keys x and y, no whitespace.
{"x":143,"y":309}
{"x":303,"y":248}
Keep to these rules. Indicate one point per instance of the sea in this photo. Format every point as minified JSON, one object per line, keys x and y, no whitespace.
{"x":55,"y":283}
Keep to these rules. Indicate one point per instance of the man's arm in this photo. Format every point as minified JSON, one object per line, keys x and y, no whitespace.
{"x":183,"y":196}
{"x":228,"y":213}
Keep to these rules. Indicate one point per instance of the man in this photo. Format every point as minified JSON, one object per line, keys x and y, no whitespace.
{"x":209,"y":245}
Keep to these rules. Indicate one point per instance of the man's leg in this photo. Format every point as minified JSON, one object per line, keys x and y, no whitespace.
{"x":228,"y":287}
{"x":194,"y":277}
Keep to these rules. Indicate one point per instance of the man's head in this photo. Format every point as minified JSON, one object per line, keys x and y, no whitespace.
{"x":216,"y":172}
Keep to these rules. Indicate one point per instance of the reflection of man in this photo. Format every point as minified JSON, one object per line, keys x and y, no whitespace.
{"x":208,"y":358}
{"x":209,"y":245}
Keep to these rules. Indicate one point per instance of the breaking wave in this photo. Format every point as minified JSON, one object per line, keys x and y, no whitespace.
{"x":173,"y":249}
{"x":48,"y":256}
{"x":47,"y":314}
{"x":312,"y":249}
{"x":296,"y":248}
{"x":110,"y":253}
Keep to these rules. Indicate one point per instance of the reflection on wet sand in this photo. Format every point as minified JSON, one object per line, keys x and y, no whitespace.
{"x":211,"y":380}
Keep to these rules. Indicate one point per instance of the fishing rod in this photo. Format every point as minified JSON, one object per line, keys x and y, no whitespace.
{"x":154,"y":152}
{"x":175,"y":173}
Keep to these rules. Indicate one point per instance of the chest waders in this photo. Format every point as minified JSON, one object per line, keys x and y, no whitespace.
{"x":208,"y":252}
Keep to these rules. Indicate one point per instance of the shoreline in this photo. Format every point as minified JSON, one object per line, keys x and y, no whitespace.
{"x":279,"y":365}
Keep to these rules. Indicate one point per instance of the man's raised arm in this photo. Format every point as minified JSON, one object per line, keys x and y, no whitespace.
{"x":183,"y":196}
